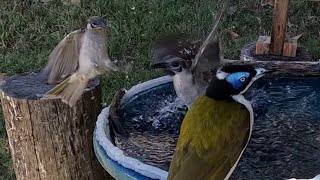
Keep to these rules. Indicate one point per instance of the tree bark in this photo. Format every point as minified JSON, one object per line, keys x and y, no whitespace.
{"x":47,"y":138}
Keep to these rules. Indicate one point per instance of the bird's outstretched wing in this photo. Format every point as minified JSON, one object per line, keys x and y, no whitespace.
{"x":210,"y":141}
{"x":208,"y":61}
{"x":63,"y":60}
{"x":208,"y":56}
{"x":175,"y":45}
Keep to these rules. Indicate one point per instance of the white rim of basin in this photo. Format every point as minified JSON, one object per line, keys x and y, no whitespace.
{"x":102,"y":135}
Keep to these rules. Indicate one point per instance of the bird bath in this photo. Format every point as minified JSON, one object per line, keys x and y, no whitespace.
{"x":286,"y":136}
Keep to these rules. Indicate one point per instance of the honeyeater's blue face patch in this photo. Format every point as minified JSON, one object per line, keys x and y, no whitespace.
{"x":238,"y":79}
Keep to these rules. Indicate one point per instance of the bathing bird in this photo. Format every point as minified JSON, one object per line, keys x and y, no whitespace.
{"x":189,"y":62}
{"x":217,"y":127}
{"x":80,"y":57}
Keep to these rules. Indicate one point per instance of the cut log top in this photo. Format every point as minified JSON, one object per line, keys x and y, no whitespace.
{"x":32,"y":85}
{"x":47,"y":139}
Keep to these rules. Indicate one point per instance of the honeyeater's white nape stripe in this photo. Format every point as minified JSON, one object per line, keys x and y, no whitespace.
{"x":221,"y":75}
{"x":242,"y":100}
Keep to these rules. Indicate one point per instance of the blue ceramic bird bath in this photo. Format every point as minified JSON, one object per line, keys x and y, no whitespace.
{"x":285,"y":142}
{"x":111,"y":157}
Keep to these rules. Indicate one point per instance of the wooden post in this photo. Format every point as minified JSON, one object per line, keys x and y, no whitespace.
{"x":48,"y":139}
{"x":279,"y":23}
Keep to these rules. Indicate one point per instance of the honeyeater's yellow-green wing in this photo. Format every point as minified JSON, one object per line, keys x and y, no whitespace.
{"x":212,"y":137}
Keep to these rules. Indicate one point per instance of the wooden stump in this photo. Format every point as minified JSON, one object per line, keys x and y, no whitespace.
{"x":290,"y":48}
{"x":262,"y":45}
{"x":47,"y":138}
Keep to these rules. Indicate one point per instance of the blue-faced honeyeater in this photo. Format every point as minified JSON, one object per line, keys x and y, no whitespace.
{"x":217,"y":127}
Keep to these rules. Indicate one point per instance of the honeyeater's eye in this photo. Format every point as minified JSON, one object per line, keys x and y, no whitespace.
{"x":243,"y":79}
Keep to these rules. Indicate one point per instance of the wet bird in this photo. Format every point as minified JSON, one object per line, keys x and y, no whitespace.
{"x":80,"y":57}
{"x":189,"y":62}
{"x":217,"y":127}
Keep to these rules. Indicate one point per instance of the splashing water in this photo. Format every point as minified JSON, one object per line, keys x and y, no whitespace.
{"x":285,"y":141}
{"x":155,"y":110}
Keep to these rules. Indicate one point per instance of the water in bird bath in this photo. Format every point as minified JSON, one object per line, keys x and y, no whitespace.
{"x":286,"y":138}
{"x":286,"y":135}
{"x":155,"y":110}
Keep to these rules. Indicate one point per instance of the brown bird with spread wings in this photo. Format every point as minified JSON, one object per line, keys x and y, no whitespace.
{"x":78,"y":58}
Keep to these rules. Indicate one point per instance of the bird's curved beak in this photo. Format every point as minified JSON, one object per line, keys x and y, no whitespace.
{"x":161,"y":65}
{"x":261,"y":72}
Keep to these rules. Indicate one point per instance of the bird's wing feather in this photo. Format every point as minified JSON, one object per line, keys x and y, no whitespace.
{"x":210,"y":140}
{"x":63,"y":60}
{"x":208,"y":56}
{"x":208,"y":61}
{"x":176,"y":45}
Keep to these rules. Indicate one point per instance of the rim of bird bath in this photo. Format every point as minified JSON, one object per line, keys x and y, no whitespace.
{"x":111,"y":157}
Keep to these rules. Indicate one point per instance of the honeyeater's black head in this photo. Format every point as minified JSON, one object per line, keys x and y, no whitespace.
{"x":233,"y":80}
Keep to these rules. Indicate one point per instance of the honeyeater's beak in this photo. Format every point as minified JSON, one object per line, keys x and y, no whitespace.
{"x":262,"y":72}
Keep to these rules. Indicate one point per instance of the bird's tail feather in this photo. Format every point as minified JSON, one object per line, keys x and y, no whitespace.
{"x":69,"y":90}
{"x":58,"y":88}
